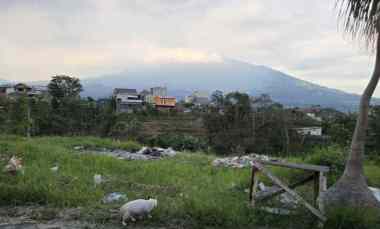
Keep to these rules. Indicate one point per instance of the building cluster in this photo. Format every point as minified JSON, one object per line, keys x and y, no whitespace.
{"x":14,"y":90}
{"x":128,"y":100}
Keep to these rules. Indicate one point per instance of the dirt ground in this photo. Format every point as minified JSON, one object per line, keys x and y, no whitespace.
{"x":39,"y":217}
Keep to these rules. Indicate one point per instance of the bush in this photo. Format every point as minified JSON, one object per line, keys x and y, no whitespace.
{"x":129,"y":129}
{"x":178,"y":142}
{"x":332,"y":156}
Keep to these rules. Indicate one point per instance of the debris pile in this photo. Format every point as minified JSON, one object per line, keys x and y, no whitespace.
{"x":240,"y":161}
{"x":145,"y":153}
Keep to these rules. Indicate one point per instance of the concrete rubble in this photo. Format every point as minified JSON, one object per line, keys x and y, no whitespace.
{"x":239,"y":161}
{"x":145,"y":153}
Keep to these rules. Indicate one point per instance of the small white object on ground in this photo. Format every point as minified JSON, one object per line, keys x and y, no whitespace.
{"x":114,"y":197}
{"x":98,"y":179}
{"x":14,"y":165}
{"x":78,"y":147}
{"x":55,"y":168}
{"x":137,"y":209}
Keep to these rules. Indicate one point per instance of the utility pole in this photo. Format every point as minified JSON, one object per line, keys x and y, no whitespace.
{"x":28,"y":134}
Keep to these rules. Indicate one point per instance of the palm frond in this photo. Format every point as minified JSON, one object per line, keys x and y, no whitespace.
{"x":360,"y":18}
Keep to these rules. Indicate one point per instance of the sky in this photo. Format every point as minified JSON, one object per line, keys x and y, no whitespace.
{"x":87,"y":38}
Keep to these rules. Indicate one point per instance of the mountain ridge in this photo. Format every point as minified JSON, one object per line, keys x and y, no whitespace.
{"x":229,"y":75}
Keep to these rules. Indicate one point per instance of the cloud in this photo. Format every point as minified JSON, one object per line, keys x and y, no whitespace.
{"x":92,"y":37}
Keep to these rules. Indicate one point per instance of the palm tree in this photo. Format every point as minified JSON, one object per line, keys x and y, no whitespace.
{"x":361,"y":19}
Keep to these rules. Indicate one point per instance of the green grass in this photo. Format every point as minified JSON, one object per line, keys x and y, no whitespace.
{"x":187,"y":187}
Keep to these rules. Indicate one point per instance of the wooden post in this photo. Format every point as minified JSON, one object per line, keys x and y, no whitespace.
{"x":252,"y":187}
{"x":322,"y":189}
{"x":316,"y":187}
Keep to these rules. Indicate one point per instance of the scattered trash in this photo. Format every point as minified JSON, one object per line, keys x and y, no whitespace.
{"x":55,"y":168}
{"x":375,"y":192}
{"x":137,"y":209}
{"x":145,"y":153}
{"x":276,"y":211}
{"x":14,"y":165}
{"x":78,"y":147}
{"x":239,"y":162}
{"x":114,"y":197}
{"x":157,"y":152}
{"x":98,"y":179}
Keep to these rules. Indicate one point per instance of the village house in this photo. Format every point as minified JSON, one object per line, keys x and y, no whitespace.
{"x":9,"y":90}
{"x":164,"y":103}
{"x":127,"y":100}
{"x":312,"y":130}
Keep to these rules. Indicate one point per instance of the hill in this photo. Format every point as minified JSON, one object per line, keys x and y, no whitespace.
{"x":229,"y":75}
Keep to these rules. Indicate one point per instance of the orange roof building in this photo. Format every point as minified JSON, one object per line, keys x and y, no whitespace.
{"x":168,"y":102}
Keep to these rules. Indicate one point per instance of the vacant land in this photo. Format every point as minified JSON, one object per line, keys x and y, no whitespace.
{"x":191,"y":192}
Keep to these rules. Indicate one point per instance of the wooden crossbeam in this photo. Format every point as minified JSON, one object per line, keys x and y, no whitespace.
{"x":307,"y":167}
{"x":275,"y":191}
{"x":257,"y":165}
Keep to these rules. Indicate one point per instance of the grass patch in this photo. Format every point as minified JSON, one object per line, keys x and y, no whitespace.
{"x":187,"y":187}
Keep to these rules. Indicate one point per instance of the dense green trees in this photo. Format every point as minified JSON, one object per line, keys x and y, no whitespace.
{"x":61,"y":112}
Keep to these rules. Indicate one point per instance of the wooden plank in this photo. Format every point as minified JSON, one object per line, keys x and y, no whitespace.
{"x":294,"y":194}
{"x":275,"y":191}
{"x":315,"y":168}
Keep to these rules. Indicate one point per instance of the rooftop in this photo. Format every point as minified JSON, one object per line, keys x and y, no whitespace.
{"x":125,"y":91}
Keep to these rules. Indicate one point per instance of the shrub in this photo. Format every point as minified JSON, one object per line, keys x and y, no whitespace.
{"x":332,"y":156}
{"x":178,"y":142}
{"x":126,"y":129}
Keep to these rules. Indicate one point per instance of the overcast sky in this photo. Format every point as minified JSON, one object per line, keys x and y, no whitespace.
{"x":83,"y":38}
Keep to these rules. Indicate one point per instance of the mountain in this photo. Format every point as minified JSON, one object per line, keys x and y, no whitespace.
{"x":229,"y":75}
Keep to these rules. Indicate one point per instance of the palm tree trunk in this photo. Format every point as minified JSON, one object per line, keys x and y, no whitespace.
{"x":354,"y":166}
{"x":351,"y":189}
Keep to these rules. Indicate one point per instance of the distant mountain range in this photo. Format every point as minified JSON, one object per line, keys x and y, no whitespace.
{"x":229,"y":75}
